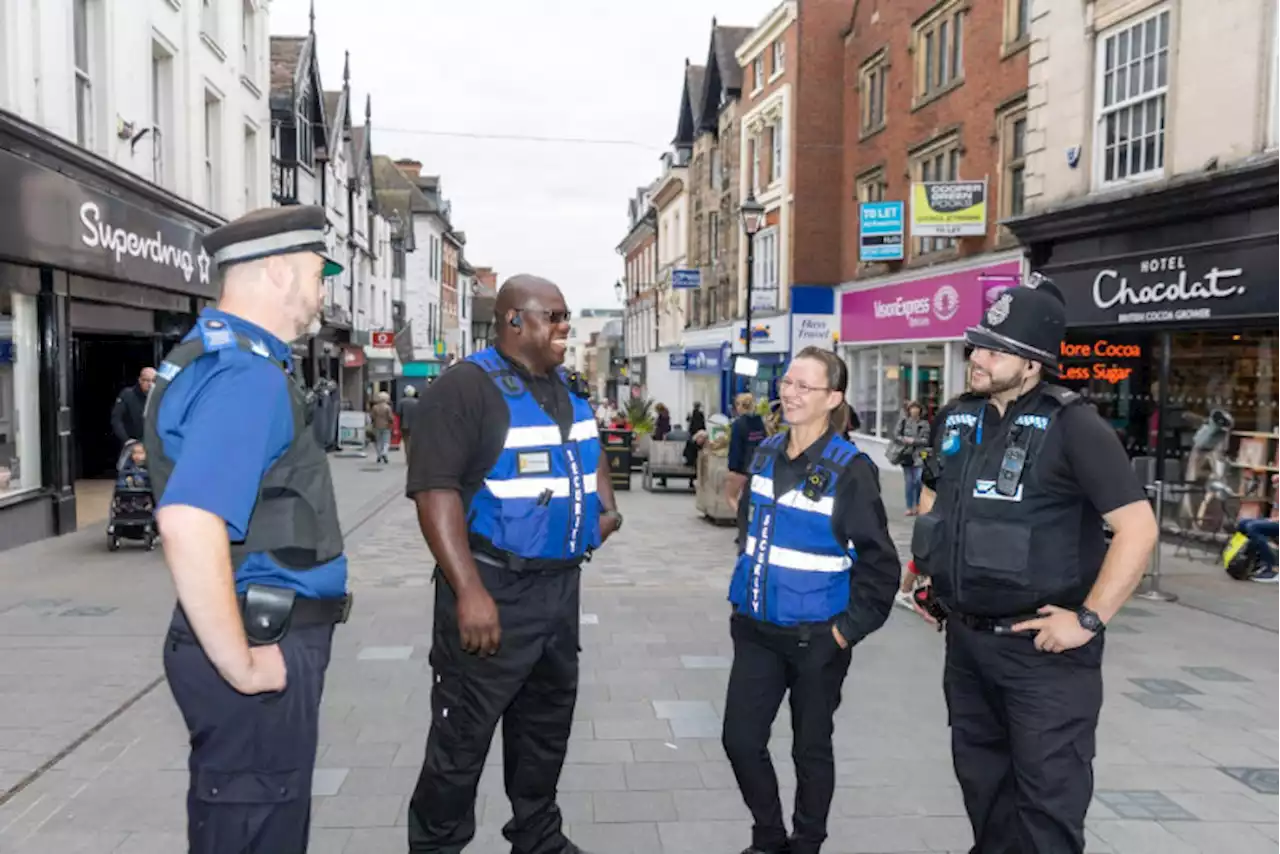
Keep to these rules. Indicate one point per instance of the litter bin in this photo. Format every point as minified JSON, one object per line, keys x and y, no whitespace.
{"x":617,"y":450}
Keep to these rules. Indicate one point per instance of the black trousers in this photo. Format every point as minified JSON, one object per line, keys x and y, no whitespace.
{"x":252,"y":757}
{"x":769,"y":661}
{"x":1023,"y":727}
{"x":531,"y":684}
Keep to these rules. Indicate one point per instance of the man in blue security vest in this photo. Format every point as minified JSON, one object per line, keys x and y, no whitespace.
{"x":1024,"y":476}
{"x":249,"y":523}
{"x":816,"y":574}
{"x":513,"y":494}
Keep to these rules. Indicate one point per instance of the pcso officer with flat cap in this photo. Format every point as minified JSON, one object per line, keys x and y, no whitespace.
{"x":1021,"y":478}
{"x":249,"y":522}
{"x":513,"y":494}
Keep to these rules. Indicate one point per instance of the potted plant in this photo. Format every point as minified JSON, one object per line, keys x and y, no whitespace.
{"x":638,"y":415}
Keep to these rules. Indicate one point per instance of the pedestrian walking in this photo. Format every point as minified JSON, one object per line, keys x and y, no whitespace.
{"x":910,"y":439}
{"x":249,"y":522}
{"x":381,"y":420}
{"x":816,"y":575}
{"x":127,"y":418}
{"x":1024,"y":476}
{"x":405,"y":412}
{"x":510,"y":502}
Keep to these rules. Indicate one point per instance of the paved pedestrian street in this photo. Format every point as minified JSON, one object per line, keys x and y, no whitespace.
{"x":1187,"y":752}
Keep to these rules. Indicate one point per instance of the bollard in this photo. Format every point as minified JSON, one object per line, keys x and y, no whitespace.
{"x":1153,"y":592}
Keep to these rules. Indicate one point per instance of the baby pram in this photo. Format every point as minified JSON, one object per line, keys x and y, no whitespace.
{"x":133,"y":509}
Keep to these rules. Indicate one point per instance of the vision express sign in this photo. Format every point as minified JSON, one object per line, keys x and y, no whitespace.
{"x":1173,"y":286}
{"x":49,"y":218}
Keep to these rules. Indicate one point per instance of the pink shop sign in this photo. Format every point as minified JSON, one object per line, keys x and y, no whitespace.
{"x":939,"y":306}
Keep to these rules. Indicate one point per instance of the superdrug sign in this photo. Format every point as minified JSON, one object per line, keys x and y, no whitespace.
{"x":1173,"y":286}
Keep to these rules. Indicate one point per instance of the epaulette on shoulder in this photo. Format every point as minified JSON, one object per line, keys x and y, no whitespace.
{"x":1061,"y":395}
{"x":215,"y":334}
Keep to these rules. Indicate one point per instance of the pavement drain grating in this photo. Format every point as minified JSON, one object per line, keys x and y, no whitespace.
{"x":704,"y":662}
{"x":1216,"y":674}
{"x":1264,"y":781}
{"x":1143,"y":804}
{"x":1164,"y":686}
{"x":1162,"y":701}
{"x":385,"y":653}
{"x":88,"y":611}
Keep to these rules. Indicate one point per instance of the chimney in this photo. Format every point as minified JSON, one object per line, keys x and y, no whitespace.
{"x":410,"y":168}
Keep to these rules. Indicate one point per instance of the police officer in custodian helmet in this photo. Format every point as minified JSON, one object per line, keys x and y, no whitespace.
{"x":249,"y":522}
{"x":1021,"y":479}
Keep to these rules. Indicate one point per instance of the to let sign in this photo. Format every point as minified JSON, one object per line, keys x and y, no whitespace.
{"x":880,"y":231}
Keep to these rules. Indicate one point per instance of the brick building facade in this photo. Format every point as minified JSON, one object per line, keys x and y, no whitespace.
{"x":933,"y":91}
{"x":713,"y":179}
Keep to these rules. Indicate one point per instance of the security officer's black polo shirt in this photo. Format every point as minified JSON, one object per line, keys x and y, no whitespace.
{"x":460,"y":424}
{"x":1080,"y":455}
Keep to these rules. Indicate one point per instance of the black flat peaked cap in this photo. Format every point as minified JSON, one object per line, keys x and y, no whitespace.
{"x":271,"y":231}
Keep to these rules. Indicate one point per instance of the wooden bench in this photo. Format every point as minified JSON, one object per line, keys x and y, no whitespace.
{"x":665,"y":462}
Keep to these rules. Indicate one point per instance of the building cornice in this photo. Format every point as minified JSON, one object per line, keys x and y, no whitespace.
{"x":774,"y":25}
{"x":636,"y":236}
{"x":670,"y":186}
{"x":768,"y":112}
{"x":1251,"y":184}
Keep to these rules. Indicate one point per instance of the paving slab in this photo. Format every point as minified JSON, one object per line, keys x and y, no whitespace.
{"x":645,"y":770}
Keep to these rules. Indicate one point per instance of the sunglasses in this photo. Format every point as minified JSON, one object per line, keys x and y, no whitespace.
{"x":553,"y":316}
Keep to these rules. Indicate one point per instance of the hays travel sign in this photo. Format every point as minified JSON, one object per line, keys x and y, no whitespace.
{"x":1176,"y":286}
{"x":50,"y":218}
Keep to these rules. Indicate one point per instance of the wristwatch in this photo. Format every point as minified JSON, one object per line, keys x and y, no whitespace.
{"x":613,"y":514}
{"x":1089,"y":620}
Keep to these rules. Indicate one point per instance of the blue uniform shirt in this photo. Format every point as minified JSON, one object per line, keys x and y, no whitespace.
{"x":224,"y":420}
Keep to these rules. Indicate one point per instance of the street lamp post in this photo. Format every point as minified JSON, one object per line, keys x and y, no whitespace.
{"x":752,"y":213}
{"x":620,"y":289}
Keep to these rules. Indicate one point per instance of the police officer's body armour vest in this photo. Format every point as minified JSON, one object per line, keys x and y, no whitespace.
{"x":794,"y":569}
{"x":295,"y":519}
{"x":538,"y":502}
{"x":1006,"y":550}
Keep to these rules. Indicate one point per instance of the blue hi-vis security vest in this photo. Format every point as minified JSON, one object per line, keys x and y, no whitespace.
{"x":792,"y":569}
{"x":538,"y":503}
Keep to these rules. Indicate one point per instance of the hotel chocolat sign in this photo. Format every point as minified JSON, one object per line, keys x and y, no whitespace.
{"x":1176,"y":286}
{"x":49,"y":218}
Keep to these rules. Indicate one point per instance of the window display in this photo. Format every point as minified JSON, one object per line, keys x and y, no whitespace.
{"x":19,"y":394}
{"x":884,"y":379}
{"x":1222,"y":410}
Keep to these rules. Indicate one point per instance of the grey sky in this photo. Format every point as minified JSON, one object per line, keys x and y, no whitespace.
{"x":596,"y":69}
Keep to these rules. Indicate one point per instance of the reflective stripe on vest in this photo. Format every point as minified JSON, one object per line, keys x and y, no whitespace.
{"x":793,"y":569}
{"x":538,"y":501}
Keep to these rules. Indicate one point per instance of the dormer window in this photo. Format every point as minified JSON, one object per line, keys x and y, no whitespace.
{"x":306,"y":138}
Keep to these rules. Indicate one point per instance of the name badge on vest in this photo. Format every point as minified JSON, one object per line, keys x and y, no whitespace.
{"x":534,"y":462}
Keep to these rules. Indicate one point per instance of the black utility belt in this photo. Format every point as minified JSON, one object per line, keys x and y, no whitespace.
{"x":993,"y":625}
{"x":269,"y":612}
{"x":526,"y":566}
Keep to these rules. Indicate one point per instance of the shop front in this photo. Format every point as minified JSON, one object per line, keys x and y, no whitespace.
{"x":100,"y":273}
{"x":1172,"y":315}
{"x":704,"y":376}
{"x":903,"y":336}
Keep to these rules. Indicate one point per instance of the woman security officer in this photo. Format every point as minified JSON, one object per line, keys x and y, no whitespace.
{"x":816,"y":574}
